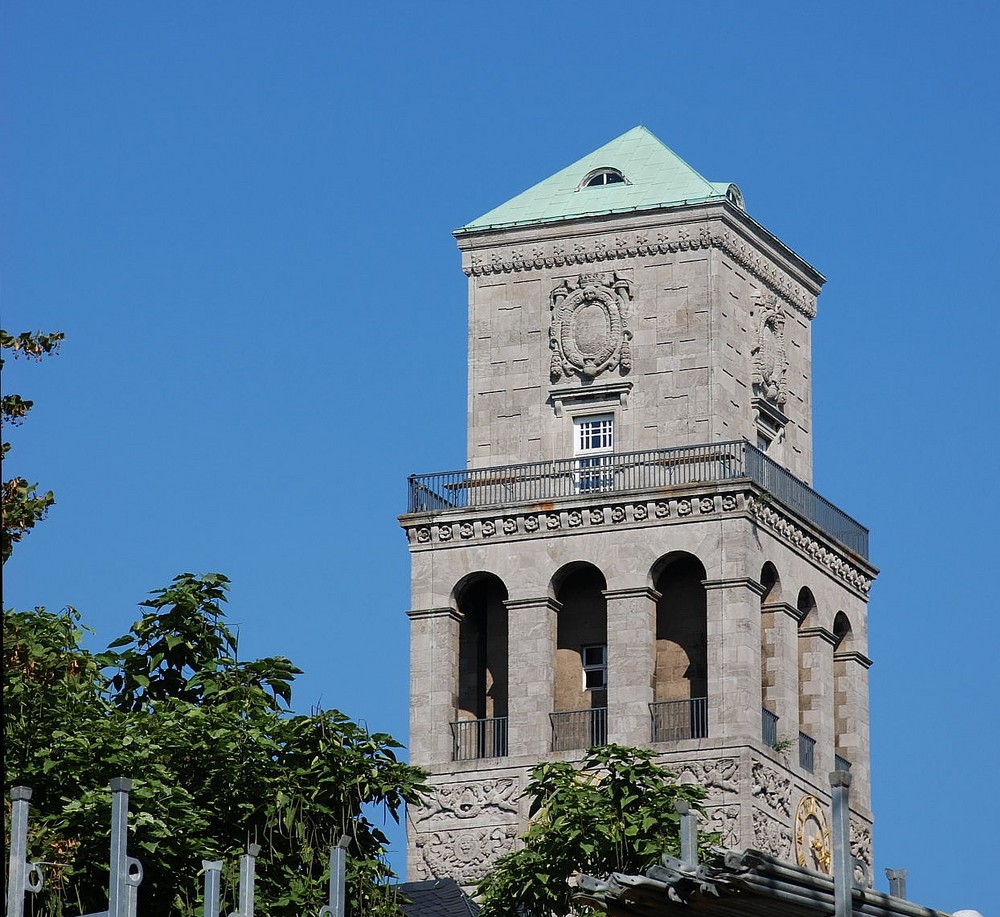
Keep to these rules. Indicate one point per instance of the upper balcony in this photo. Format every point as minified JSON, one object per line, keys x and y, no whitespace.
{"x":634,"y":473}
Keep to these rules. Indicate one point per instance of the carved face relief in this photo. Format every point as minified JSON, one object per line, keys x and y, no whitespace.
{"x":769,"y":360}
{"x":589,"y":332}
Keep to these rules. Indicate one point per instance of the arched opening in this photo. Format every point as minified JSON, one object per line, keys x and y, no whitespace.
{"x":481,"y":727}
{"x":680,"y":687}
{"x":811,"y":689}
{"x":842,"y":693}
{"x":770,"y":656}
{"x":580,"y":719}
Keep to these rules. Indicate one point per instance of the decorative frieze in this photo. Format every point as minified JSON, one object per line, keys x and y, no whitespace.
{"x":669,"y":240}
{"x":443,"y":530}
{"x":719,"y":776}
{"x":773,"y":790}
{"x":465,"y":855}
{"x":492,"y":800}
{"x":771,"y":835}
{"x":790,"y":531}
{"x":724,"y":821}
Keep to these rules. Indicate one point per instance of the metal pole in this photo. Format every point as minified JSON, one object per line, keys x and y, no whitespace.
{"x":213,"y":887}
{"x":338,"y":882}
{"x":20,"y":871}
{"x":843,"y":862}
{"x":897,"y":882}
{"x":247,"y":875}
{"x":117,"y":888}
{"x":689,"y":834}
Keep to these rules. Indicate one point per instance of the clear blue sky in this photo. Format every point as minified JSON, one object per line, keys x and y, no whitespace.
{"x":241,"y":215}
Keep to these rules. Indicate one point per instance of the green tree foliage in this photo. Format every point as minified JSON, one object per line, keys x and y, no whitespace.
{"x":217,"y":758}
{"x":23,"y":505}
{"x":613,"y":813}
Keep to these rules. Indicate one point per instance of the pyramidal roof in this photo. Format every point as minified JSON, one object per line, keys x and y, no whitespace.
{"x":653,"y":176}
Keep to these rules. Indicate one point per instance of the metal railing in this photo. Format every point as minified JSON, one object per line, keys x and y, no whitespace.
{"x":486,"y":738}
{"x":840,"y":763}
{"x":769,"y":727}
{"x":671,"y":720}
{"x":807,"y":752}
{"x":536,"y":482}
{"x":573,"y":729}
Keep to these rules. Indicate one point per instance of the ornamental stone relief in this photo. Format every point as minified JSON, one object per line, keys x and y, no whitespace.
{"x":589,"y":332}
{"x":724,"y":821}
{"x":768,"y":358}
{"x":717,"y":776}
{"x":771,"y":836}
{"x":493,"y":799}
{"x":668,"y":240}
{"x":773,"y":790}
{"x":861,"y":848}
{"x":465,"y":855}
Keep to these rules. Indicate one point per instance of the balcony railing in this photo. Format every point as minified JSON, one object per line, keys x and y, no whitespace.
{"x":769,"y":727}
{"x":535,"y":482}
{"x":807,"y":752}
{"x":671,"y":720}
{"x":486,"y":738}
{"x":572,"y":729}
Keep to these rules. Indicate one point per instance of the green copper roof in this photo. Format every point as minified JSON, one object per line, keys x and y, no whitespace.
{"x":654,"y":175}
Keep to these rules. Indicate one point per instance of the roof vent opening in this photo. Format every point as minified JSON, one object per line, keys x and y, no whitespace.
{"x":601,"y":177}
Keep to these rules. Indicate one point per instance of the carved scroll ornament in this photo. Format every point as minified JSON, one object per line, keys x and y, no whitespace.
{"x":589,"y":332}
{"x":768,"y":356}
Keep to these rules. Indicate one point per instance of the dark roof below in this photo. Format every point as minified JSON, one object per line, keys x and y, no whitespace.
{"x":436,"y":898}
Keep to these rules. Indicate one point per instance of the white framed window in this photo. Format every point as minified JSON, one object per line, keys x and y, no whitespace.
{"x":593,"y":447}
{"x":595,"y":666}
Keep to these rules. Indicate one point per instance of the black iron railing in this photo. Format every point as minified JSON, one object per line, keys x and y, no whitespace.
{"x":807,"y":752}
{"x":536,"y":482}
{"x":671,"y":720}
{"x":768,"y":727}
{"x":572,"y":729}
{"x":486,"y":738}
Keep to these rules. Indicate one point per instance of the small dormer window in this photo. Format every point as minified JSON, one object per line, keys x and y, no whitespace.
{"x":603,"y":177}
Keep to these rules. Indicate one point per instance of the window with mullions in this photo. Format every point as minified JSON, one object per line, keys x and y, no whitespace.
{"x":593,"y":448}
{"x":595,"y":667}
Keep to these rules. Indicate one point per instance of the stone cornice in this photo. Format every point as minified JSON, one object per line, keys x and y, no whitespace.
{"x":821,"y":632}
{"x":638,"y":592}
{"x":782,"y":608}
{"x":419,"y":614}
{"x":544,"y":601}
{"x":595,"y":247}
{"x":741,"y":582}
{"x":853,"y":656}
{"x":444,"y":529}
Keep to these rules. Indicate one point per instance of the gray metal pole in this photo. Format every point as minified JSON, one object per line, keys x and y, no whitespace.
{"x":843,"y":862}
{"x":117,"y":889}
{"x":689,"y":834}
{"x":213,"y":887}
{"x":248,"y":869}
{"x":897,"y":882}
{"x":22,"y":876}
{"x":338,"y":880}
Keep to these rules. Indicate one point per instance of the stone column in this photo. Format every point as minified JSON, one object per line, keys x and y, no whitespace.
{"x":433,"y":683}
{"x":531,"y":634}
{"x":631,"y":663}
{"x":850,"y":670}
{"x":816,"y":693}
{"x":733,"y":658}
{"x":780,"y":667}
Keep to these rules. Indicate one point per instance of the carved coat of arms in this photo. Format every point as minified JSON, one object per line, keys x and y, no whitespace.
{"x":589,"y":332}
{"x":767,"y":353}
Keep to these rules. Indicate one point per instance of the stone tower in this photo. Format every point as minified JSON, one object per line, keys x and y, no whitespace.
{"x":634,"y":552}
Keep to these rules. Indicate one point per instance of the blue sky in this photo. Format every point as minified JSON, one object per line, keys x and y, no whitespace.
{"x":241,"y":215}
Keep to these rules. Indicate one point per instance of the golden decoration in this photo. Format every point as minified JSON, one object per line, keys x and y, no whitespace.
{"x":812,"y":836}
